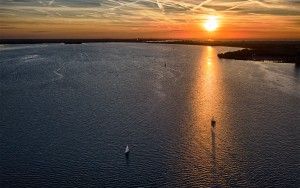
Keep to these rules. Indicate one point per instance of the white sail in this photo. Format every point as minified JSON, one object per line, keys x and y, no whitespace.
{"x":127,"y":149}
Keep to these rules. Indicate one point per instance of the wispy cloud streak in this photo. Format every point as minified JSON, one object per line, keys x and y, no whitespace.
{"x":151,"y":14}
{"x":51,"y":2}
{"x":160,"y":6}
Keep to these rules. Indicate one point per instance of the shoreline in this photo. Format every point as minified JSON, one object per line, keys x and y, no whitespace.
{"x":282,"y":56}
{"x":229,"y":43}
{"x":277,"y":51}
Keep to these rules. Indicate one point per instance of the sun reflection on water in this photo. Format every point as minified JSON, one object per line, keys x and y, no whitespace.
{"x":208,"y":100}
{"x":208,"y":90}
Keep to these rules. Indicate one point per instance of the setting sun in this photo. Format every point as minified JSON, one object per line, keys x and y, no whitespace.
{"x":211,"y":23}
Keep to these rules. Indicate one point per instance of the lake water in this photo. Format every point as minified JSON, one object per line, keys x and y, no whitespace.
{"x":68,"y":112}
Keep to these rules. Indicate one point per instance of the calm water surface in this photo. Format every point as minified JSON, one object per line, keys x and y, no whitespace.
{"x":68,"y":111}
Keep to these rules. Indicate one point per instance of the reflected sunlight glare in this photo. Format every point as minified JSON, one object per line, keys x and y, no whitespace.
{"x":209,"y":100}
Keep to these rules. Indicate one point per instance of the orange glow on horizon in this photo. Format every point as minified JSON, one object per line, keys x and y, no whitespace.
{"x":137,"y":20}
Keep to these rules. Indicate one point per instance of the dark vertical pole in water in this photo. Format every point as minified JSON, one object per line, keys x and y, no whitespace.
{"x":213,"y":151}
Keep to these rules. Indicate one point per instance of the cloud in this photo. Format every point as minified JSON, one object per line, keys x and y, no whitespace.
{"x":147,"y":13}
{"x":200,"y":6}
{"x":160,"y":6}
{"x":51,"y":2}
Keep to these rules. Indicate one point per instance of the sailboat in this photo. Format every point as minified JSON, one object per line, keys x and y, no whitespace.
{"x":127,"y":150}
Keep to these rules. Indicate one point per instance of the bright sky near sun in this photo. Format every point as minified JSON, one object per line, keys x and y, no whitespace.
{"x":192,"y":19}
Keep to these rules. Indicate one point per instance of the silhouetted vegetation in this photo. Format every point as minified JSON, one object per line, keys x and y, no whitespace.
{"x":281,"y":53}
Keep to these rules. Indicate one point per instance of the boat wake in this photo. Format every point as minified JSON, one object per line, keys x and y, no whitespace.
{"x":60,"y":76}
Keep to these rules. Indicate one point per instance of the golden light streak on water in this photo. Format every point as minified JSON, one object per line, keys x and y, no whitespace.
{"x":208,"y":91}
{"x":208,"y":100}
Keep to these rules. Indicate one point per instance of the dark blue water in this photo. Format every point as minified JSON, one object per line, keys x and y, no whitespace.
{"x":68,"y":112}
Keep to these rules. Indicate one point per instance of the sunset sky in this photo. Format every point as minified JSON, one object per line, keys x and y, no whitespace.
{"x":237,"y":19}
